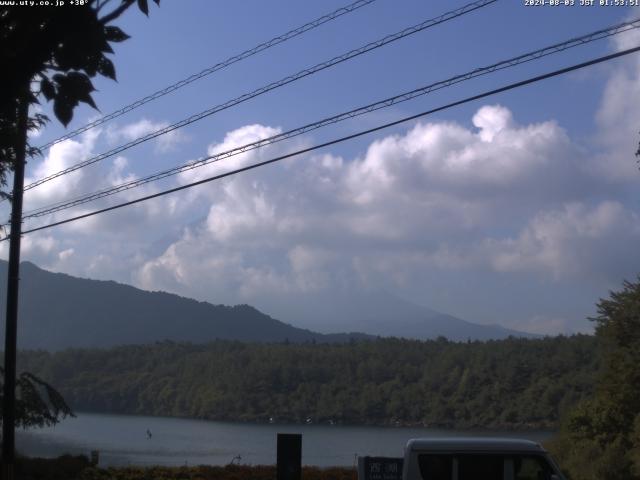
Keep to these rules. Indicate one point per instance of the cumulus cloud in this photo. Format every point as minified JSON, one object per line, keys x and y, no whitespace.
{"x":59,"y":157}
{"x":104,"y":246}
{"x":83,"y":181}
{"x":491,"y":120}
{"x":233,"y":140}
{"x":617,"y":120}
{"x":574,"y":241}
{"x":493,"y":200}
{"x":65,"y":254}
{"x":536,"y":163}
{"x":503,"y":198}
{"x":164,"y":143}
{"x":38,"y":244}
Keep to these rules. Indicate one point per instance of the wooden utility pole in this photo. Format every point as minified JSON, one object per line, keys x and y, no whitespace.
{"x":13,"y":279}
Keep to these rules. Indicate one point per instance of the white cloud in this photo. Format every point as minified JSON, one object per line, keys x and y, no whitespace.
{"x":495,"y":200}
{"x":41,"y":244}
{"x":232,"y":140}
{"x":491,"y":121}
{"x":628,"y":39}
{"x":59,"y":157}
{"x":617,"y":119}
{"x":65,"y":254}
{"x":575,"y":241}
{"x":106,"y":246}
{"x":440,"y":197}
{"x":166,"y":142}
{"x":534,"y":163}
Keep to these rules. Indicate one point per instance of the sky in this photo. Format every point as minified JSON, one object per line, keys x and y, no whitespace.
{"x":520,"y":209}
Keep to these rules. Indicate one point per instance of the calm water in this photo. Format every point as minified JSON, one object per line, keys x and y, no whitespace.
{"x":123,"y":440}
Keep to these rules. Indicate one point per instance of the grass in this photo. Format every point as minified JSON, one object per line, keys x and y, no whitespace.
{"x":80,"y":468}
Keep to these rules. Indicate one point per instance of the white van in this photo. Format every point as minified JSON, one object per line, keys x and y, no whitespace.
{"x":477,"y":459}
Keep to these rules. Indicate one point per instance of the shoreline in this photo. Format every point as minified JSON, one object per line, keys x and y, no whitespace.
{"x":511,"y":427}
{"x":124,"y":440}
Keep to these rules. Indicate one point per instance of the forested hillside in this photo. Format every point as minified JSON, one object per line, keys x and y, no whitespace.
{"x":600,"y":437}
{"x":508,"y":383}
{"x":58,"y":311}
{"x":65,"y":312}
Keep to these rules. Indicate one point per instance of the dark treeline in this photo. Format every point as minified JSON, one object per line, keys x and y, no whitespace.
{"x":600,"y":437}
{"x":511,"y":383}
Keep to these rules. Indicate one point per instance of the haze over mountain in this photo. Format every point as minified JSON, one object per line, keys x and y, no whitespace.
{"x":379,"y":313}
{"x":59,"y":311}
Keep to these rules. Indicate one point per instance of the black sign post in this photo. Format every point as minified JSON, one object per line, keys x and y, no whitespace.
{"x":379,"y":468}
{"x":289,"y":456}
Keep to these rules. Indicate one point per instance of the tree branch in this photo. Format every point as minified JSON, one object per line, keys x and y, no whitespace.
{"x":102,"y":4}
{"x":117,"y":12}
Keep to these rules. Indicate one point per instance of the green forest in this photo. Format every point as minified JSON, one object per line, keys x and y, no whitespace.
{"x":513,"y":383}
{"x":600,"y":437}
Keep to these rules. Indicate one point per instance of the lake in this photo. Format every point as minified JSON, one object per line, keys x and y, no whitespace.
{"x":123,"y":440}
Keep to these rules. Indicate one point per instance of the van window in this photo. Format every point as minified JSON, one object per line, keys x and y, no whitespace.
{"x":476,"y":466}
{"x":485,"y":467}
{"x":435,"y":467}
{"x":531,"y":468}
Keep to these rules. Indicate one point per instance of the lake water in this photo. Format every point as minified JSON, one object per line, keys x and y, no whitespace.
{"x":123,"y":440}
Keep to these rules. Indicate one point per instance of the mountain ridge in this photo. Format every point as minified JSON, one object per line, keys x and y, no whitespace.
{"x":64,"y":311}
{"x":383,"y":314}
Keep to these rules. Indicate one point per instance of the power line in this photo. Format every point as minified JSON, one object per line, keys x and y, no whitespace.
{"x":508,"y":87}
{"x":524,"y":58}
{"x":218,"y":66}
{"x":272,"y":86}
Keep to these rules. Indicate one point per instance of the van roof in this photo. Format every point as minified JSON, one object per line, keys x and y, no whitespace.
{"x":477,"y":444}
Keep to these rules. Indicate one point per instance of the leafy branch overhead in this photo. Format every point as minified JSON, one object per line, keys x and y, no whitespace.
{"x":55,"y":52}
{"x":38,"y":404}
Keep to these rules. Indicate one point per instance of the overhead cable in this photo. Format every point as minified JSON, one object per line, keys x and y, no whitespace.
{"x":272,"y":86}
{"x":505,"y":88}
{"x":520,"y":59}
{"x":218,"y":66}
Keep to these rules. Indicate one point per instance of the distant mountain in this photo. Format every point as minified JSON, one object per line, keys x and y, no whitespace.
{"x":58,"y":311}
{"x":381,"y":313}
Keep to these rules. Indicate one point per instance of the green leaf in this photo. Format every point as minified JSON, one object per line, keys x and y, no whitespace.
{"x":48,"y":90}
{"x":63,"y":108}
{"x":73,"y":88}
{"x":143,"y":6}
{"x":115,"y":34}
{"x":78,"y":87}
{"x":106,"y":47}
{"x":106,"y":68}
{"x":91,"y":66}
{"x":88,"y":100}
{"x":79,"y":80}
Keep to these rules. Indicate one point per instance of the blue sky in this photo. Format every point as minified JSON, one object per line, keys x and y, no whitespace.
{"x":521,"y":209}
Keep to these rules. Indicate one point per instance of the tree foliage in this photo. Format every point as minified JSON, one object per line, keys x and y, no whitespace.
{"x":53,"y":53}
{"x":513,"y":383}
{"x":38,"y":404}
{"x":50,"y":52}
{"x":601,"y":437}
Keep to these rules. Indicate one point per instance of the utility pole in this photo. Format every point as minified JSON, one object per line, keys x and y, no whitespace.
{"x":13,"y":279}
